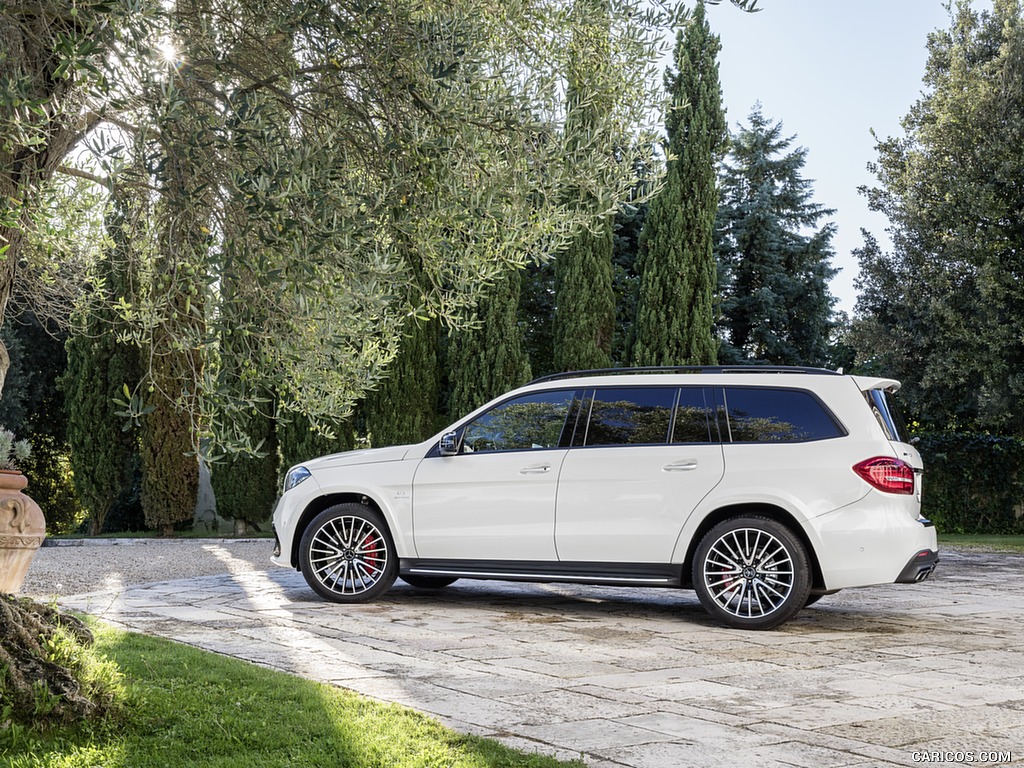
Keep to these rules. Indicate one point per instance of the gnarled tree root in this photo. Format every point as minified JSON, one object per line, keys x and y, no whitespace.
{"x":34,"y":690}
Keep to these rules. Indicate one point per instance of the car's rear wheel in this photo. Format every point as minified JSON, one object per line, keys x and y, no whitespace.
{"x":427,"y":582}
{"x":751,"y":572}
{"x":346,"y":554}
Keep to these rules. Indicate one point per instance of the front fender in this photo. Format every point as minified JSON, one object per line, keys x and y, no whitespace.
{"x":387,"y":486}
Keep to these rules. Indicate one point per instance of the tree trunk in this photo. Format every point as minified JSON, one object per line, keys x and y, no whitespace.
{"x":12,"y":238}
{"x":31,"y":54}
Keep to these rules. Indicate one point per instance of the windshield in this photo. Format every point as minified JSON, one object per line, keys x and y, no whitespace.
{"x":883,"y":405}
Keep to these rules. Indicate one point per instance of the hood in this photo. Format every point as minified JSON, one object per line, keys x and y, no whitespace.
{"x":351,"y":458}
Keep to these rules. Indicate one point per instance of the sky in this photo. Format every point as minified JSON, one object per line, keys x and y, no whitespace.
{"x":831,"y":71}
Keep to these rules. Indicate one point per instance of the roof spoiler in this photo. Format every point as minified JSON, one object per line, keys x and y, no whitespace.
{"x":871,"y":382}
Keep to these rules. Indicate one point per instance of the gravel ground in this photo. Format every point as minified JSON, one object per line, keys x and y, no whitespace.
{"x":98,"y":564}
{"x":89,"y":565}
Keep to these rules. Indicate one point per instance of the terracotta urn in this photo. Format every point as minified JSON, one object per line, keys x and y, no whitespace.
{"x":22,"y":530}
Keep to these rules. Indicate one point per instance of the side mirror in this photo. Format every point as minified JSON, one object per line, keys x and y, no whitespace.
{"x":449,"y":445}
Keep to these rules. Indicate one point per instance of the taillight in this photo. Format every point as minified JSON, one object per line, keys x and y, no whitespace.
{"x":887,"y":474}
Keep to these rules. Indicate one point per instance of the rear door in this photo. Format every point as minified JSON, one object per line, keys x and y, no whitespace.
{"x":643,"y":457}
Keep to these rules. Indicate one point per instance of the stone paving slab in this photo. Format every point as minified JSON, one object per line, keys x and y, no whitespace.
{"x":643,"y":678}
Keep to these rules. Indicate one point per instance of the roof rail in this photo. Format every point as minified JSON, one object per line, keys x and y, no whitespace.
{"x":686,"y":369}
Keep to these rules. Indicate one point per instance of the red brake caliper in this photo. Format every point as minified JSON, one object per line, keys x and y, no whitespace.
{"x":372,"y":558}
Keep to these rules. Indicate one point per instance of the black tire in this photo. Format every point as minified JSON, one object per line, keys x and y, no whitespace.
{"x":751,"y":573}
{"x":347,"y":556}
{"x":815,"y":597}
{"x":427,"y":582}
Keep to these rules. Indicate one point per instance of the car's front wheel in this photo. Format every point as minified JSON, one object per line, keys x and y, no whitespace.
{"x":816,"y":596}
{"x":751,"y":572}
{"x":346,"y":554}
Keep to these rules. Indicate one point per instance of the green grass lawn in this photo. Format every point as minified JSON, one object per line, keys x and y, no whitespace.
{"x":982,"y":542}
{"x":185,"y":707}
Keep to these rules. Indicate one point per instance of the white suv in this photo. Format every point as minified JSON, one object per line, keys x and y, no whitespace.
{"x":760,"y":488}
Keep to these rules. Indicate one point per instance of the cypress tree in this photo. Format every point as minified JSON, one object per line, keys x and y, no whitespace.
{"x":629,"y":224}
{"x":99,"y":367}
{"x":584,"y":321}
{"x":678,"y":274}
{"x":490,"y":358}
{"x":298,"y":441}
{"x":536,"y":315}
{"x":170,"y":477}
{"x":404,"y":406}
{"x":32,"y":408}
{"x":170,"y":474}
{"x":245,"y":484}
{"x":774,"y":261}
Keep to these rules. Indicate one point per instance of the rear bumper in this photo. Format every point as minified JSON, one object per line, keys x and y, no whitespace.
{"x":919,"y":568}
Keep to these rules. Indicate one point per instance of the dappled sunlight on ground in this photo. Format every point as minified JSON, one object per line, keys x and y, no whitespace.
{"x":636,"y":677}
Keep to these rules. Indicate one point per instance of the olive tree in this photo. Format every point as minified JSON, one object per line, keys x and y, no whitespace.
{"x":411,"y":152}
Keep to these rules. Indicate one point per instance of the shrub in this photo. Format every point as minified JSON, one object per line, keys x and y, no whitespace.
{"x":49,"y":675}
{"x":973,"y":483}
{"x":12,"y":452}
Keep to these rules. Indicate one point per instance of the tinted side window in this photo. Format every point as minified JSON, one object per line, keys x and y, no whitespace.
{"x":759,"y":415}
{"x":694,"y":418}
{"x":884,"y":407}
{"x":630,"y":416}
{"x":524,"y":423}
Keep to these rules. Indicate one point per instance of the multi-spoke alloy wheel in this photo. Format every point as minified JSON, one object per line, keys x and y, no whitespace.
{"x":346,"y":554}
{"x":751,"y":573}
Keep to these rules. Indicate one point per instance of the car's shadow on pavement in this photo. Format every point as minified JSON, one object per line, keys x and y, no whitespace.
{"x":654,"y":610}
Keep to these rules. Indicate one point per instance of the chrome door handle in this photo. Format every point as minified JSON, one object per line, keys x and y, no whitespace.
{"x":680,"y":466}
{"x":536,"y":469}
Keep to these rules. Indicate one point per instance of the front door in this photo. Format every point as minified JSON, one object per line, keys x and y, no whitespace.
{"x":495,"y":499}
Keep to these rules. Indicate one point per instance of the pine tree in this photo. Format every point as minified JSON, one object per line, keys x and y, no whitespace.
{"x":675,"y":309}
{"x":488,"y":359}
{"x":774,"y":264}
{"x":99,"y":367}
{"x":584,"y":320}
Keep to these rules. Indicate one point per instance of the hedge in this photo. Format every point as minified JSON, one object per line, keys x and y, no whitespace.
{"x":973,"y":483}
